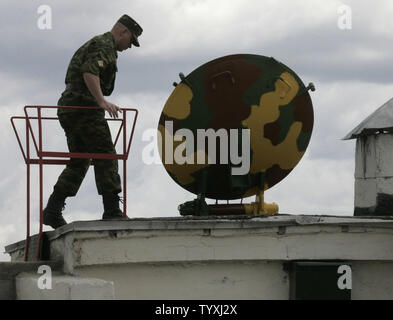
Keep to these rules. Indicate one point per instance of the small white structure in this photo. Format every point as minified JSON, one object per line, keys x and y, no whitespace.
{"x":374,"y":163}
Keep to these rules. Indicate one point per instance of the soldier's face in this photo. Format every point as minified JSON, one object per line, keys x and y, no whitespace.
{"x":125,"y":40}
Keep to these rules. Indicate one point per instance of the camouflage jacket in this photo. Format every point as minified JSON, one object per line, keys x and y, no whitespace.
{"x":97,"y":56}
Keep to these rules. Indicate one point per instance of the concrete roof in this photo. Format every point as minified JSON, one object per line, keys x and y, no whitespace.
{"x":212,"y":222}
{"x":181,"y":240}
{"x":381,"y":119}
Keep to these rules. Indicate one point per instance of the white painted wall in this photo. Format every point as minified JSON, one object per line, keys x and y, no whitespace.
{"x":204,"y":280}
{"x":372,"y":280}
{"x":373,"y":168}
{"x":62,"y":287}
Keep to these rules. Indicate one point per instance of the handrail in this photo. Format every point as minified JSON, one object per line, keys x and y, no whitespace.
{"x":42,"y":157}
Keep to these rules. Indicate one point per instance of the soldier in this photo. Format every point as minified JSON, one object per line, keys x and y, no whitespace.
{"x":91,"y":76}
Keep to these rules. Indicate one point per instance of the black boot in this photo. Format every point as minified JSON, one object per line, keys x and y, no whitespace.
{"x":53,"y":211}
{"x":111,"y":207}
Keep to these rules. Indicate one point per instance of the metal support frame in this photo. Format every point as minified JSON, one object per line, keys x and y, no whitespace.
{"x":42,"y":158}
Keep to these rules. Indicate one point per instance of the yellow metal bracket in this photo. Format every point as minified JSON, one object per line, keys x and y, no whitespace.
{"x":261,"y":207}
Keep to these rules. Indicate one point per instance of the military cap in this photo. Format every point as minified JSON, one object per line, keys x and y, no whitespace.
{"x":133,"y":26}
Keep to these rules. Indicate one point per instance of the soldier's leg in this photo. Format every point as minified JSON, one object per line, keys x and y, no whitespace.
{"x":100,"y":141}
{"x":106,"y":171}
{"x":72,"y":176}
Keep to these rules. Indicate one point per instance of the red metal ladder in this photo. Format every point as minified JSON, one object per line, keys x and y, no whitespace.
{"x":42,"y":157}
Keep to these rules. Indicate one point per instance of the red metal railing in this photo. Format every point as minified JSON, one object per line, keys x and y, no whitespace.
{"x":42,"y":157}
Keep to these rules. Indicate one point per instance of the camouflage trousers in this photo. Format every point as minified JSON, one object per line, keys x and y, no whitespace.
{"x":87,"y":131}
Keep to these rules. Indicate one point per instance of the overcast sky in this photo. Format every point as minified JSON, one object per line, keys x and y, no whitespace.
{"x":351,"y":69}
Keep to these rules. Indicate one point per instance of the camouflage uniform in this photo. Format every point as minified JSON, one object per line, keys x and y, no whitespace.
{"x":87,"y":130}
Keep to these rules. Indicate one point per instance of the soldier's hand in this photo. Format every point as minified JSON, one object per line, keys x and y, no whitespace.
{"x":111,"y":108}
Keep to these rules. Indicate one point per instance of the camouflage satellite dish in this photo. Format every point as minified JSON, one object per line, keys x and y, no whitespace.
{"x":236,"y":92}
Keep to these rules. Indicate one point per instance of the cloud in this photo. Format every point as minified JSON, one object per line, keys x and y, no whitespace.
{"x":339,"y":106}
{"x":181,"y":35}
{"x":316,"y":187}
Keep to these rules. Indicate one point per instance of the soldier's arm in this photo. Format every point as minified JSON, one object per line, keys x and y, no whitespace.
{"x":93,"y":84}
